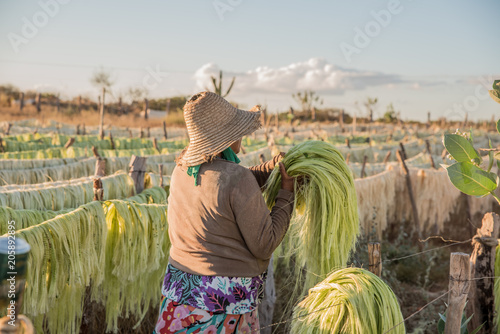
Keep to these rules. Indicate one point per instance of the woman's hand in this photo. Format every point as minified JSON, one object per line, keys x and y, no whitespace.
{"x":287,"y":181}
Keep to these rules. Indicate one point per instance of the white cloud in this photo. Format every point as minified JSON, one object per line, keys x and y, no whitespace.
{"x":315,"y":74}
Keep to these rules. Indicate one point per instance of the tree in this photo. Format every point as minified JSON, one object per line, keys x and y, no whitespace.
{"x":369,"y":104}
{"x":307,"y":100}
{"x":102,"y":80}
{"x":218,"y":85}
{"x":390,"y":115}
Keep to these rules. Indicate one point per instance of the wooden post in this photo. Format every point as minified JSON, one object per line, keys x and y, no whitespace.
{"x":365,"y":159}
{"x":155,"y":144}
{"x":83,"y":130}
{"x":146,"y":107}
{"x":96,"y":154}
{"x":429,"y":151}
{"x":120,"y":108}
{"x":38,"y":99}
{"x":406,"y":172}
{"x":403,"y":150}
{"x":482,"y":261}
{"x":348,"y":157}
{"x":21,"y":102}
{"x":375,"y":258}
{"x":7,"y":128}
{"x":58,"y":104}
{"x":341,"y":120}
{"x":466,"y":117}
{"x":160,"y":170}
{"x":101,"y":125}
{"x":79,"y":104}
{"x":111,"y":140}
{"x":100,"y":167}
{"x":70,"y":142}
{"x":142,"y":133}
{"x":164,"y":130}
{"x":459,"y":289}
{"x":387,"y":156}
{"x":130,"y":133}
{"x":347,"y":142}
{"x":428,"y":119}
{"x":2,"y":149}
{"x":148,"y":132}
{"x":77,"y":129}
{"x":137,"y":171}
{"x":98,"y":190}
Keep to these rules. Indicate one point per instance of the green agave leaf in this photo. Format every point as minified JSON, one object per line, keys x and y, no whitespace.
{"x":460,"y":148}
{"x":498,"y":126}
{"x":471,"y":180}
{"x":495,"y":95}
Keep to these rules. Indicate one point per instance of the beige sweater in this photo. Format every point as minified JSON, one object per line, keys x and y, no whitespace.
{"x":223,"y":226}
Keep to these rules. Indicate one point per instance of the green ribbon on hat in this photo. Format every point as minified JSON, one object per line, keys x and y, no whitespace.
{"x":228,"y":154}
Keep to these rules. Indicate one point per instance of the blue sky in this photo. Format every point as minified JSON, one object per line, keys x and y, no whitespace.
{"x":420,"y":55}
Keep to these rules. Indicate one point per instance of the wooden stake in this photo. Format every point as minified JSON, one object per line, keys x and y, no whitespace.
{"x":347,"y":142}
{"x":160,"y":170}
{"x":111,"y":140}
{"x":148,"y":132}
{"x":365,"y":159}
{"x":387,"y":156}
{"x":96,"y":154}
{"x":101,"y":124}
{"x":403,"y":151}
{"x":58,"y":104}
{"x":165,"y":129}
{"x":146,"y":107}
{"x":341,"y":120}
{"x":83,"y":130}
{"x":348,"y":157}
{"x":21,"y":102}
{"x":459,"y":289}
{"x":428,"y":148}
{"x":100,"y":167}
{"x":70,"y":142}
{"x":155,"y":144}
{"x":7,"y":128}
{"x":38,"y":100}
{"x":79,"y":104}
{"x":375,"y":258}
{"x":482,"y":261}
{"x":406,"y":172}
{"x":137,"y":171}
{"x":78,"y":129}
{"x":98,"y":190}
{"x":142,"y":133}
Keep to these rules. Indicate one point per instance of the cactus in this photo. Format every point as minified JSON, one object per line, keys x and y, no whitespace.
{"x":218,"y":86}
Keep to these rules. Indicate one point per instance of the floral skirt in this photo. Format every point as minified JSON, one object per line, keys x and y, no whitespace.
{"x":178,"y":318}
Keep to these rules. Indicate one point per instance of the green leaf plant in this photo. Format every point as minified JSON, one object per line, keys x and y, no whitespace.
{"x":467,"y":174}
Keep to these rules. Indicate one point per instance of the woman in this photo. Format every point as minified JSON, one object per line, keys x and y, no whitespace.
{"x":221,"y":230}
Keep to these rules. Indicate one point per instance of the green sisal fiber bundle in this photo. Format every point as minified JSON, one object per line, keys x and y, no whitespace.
{"x":66,"y":195}
{"x":349,"y":301}
{"x":67,"y":252}
{"x":119,"y":248}
{"x":133,"y":282}
{"x":154,"y":195}
{"x":24,"y":218}
{"x":325,"y":223}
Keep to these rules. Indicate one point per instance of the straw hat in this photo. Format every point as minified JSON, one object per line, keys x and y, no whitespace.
{"x":213,"y":124}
